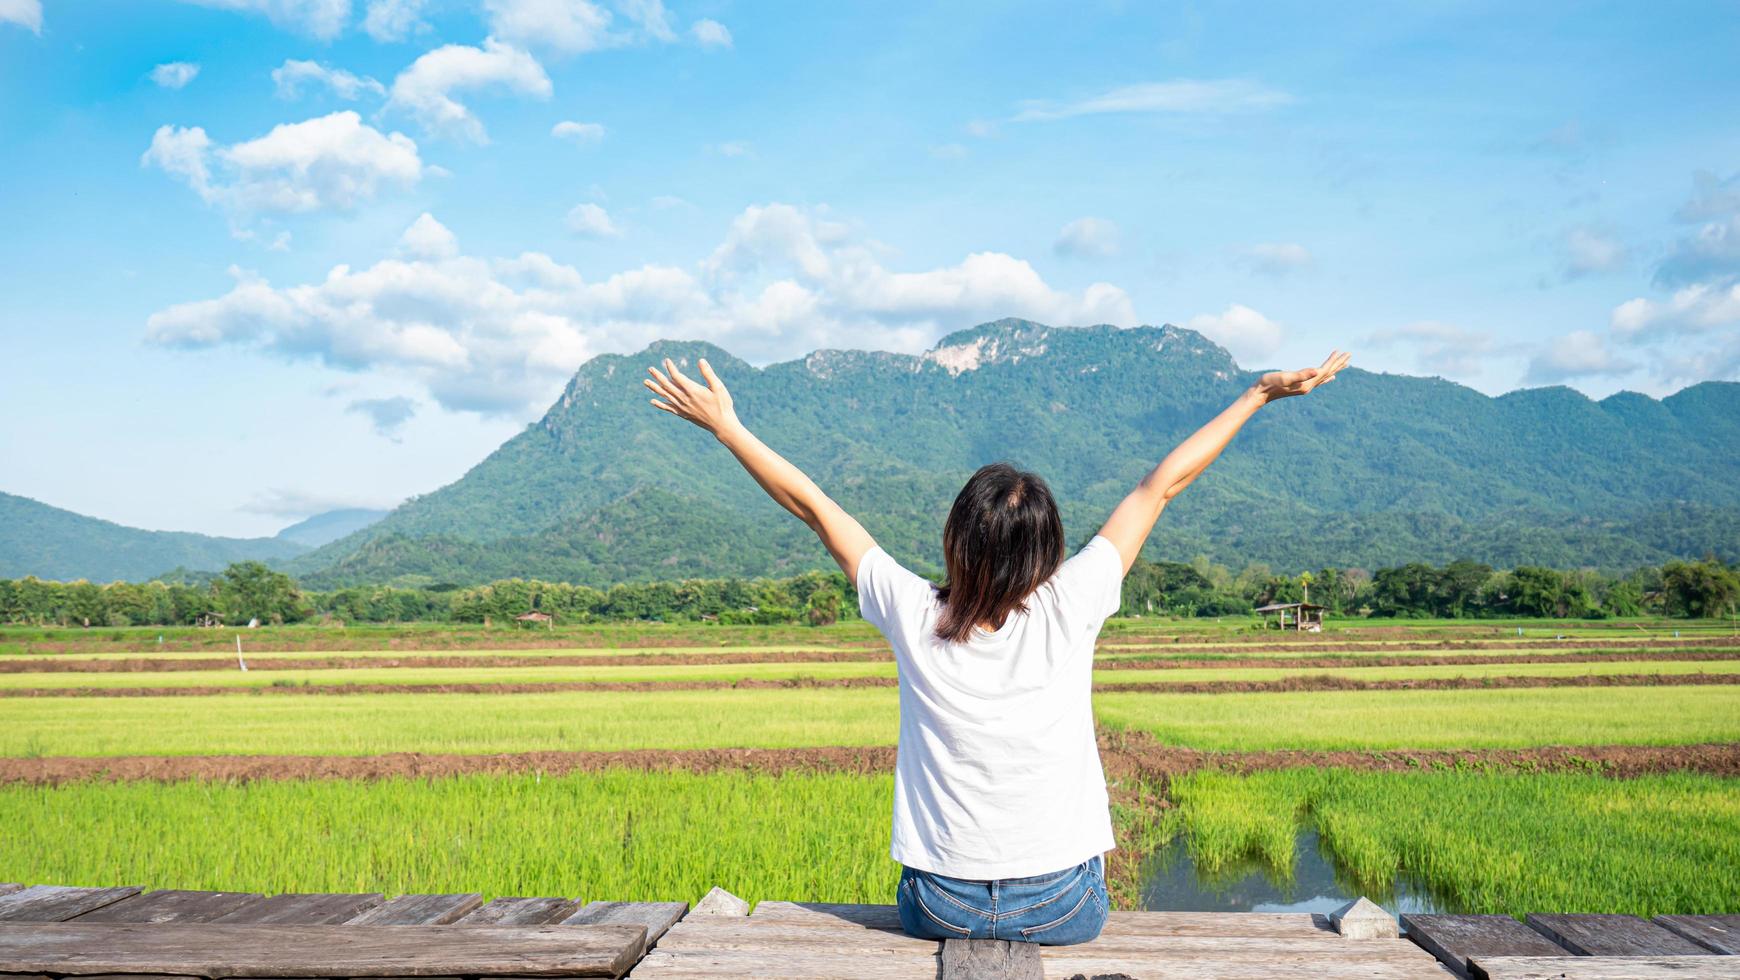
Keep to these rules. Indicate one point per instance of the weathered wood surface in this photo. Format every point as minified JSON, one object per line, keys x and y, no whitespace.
{"x":521,"y":912}
{"x":711,"y":933}
{"x":171,"y":905}
{"x":1081,"y":961}
{"x":990,"y":959}
{"x":1612,"y":935}
{"x":654,"y":917}
{"x":833,"y":964}
{"x":1607,"y":967}
{"x":1716,"y":933}
{"x":864,"y":916}
{"x":1454,"y":939}
{"x":419,"y":910}
{"x":215,"y":950}
{"x":1119,"y":923}
{"x":8,"y":887}
{"x":53,"y":903}
{"x":301,"y":909}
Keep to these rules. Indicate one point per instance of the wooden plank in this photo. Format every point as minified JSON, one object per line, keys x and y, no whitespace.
{"x":171,"y":905}
{"x":655,"y":917}
{"x":1453,"y":939}
{"x":1304,"y":925}
{"x":990,"y":959}
{"x":1716,"y":933}
{"x":301,"y":909}
{"x":419,"y":910}
{"x":1070,"y":962}
{"x":217,"y":950}
{"x":1704,"y":967}
{"x":53,"y":903}
{"x":521,"y":912}
{"x":777,"y":965}
{"x":8,"y":887}
{"x":1612,"y":935}
{"x":865,"y":916}
{"x":719,"y":933}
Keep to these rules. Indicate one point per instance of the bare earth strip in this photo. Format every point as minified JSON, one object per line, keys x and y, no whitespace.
{"x":1309,"y":682}
{"x":1126,"y":755}
{"x":1689,"y":650}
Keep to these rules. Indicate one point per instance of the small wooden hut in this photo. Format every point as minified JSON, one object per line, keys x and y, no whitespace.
{"x":1302,"y":617}
{"x":536,"y":617}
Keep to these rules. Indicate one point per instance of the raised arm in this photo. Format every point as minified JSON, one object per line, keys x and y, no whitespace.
{"x":709,"y":407}
{"x":1134,"y":518}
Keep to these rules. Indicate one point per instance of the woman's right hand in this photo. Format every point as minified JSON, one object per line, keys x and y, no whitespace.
{"x":707,"y":406}
{"x":1285,"y":384}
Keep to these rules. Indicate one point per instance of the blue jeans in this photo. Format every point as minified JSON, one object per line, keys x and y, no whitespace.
{"x":1056,"y":909}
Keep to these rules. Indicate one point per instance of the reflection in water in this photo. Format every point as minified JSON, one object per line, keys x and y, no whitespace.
{"x":1170,"y":884}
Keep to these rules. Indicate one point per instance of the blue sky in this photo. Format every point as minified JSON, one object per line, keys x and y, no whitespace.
{"x":264,"y":257}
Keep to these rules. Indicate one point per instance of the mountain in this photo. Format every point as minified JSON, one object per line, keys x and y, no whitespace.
{"x":330,"y":526}
{"x":1375,"y":470}
{"x":51,"y":543}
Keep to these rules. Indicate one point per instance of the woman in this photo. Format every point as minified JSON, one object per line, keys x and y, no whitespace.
{"x":1000,"y":810}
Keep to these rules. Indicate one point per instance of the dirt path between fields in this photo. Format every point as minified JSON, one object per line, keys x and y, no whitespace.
{"x":1669,"y":650}
{"x":1127,"y":756}
{"x":1303,"y":682}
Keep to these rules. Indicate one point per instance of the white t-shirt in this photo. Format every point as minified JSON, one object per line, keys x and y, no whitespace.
{"x":998,"y":774}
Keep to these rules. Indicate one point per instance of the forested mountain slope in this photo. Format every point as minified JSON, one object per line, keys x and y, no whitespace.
{"x":1378,"y":469}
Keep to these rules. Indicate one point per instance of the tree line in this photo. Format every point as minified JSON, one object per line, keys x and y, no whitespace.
{"x":1461,"y":589}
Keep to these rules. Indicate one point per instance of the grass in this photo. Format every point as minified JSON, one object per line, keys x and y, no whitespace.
{"x":1454,"y":719}
{"x":784,"y":671}
{"x":619,"y":835}
{"x":1487,"y":843}
{"x":612,"y":720}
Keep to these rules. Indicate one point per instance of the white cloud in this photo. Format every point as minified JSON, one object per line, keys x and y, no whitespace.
{"x":1275,"y":258}
{"x":1179,"y":96}
{"x":665,"y":202}
{"x":428,"y":239}
{"x":578,"y":132}
{"x":1590,"y":252}
{"x":292,"y":75}
{"x":710,"y":34}
{"x":1249,"y":335}
{"x":1578,"y":354}
{"x":949,"y":151}
{"x":1443,"y":349}
{"x":394,"y":20}
{"x":25,"y":13}
{"x":1087,"y":238}
{"x":387,"y":415}
{"x":1695,"y":309}
{"x":981,"y":128}
{"x":558,"y":26}
{"x":652,"y":17}
{"x":323,"y":19}
{"x":501,"y":335}
{"x":174,"y":74}
{"x":287,"y":503}
{"x":591,"y":221}
{"x":333,"y":161}
{"x":425,"y":89}
{"x":733,"y":148}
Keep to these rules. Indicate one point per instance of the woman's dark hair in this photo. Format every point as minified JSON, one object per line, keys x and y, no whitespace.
{"x":1002,"y":541}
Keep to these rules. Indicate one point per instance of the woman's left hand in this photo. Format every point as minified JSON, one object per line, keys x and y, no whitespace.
{"x":707,"y":406}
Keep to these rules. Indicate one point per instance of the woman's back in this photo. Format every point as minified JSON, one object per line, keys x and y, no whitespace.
{"x":999,"y":773}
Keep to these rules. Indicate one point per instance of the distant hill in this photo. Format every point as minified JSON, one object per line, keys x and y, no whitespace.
{"x":330,"y":526}
{"x":1376,"y":470}
{"x":51,"y":543}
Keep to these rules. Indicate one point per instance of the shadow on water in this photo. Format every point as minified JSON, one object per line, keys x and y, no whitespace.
{"x":1170,"y":883}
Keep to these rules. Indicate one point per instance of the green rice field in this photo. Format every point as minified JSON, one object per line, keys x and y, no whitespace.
{"x":1480,"y":840}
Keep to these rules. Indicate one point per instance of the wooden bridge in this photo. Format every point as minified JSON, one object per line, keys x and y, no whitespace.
{"x":49,"y":931}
